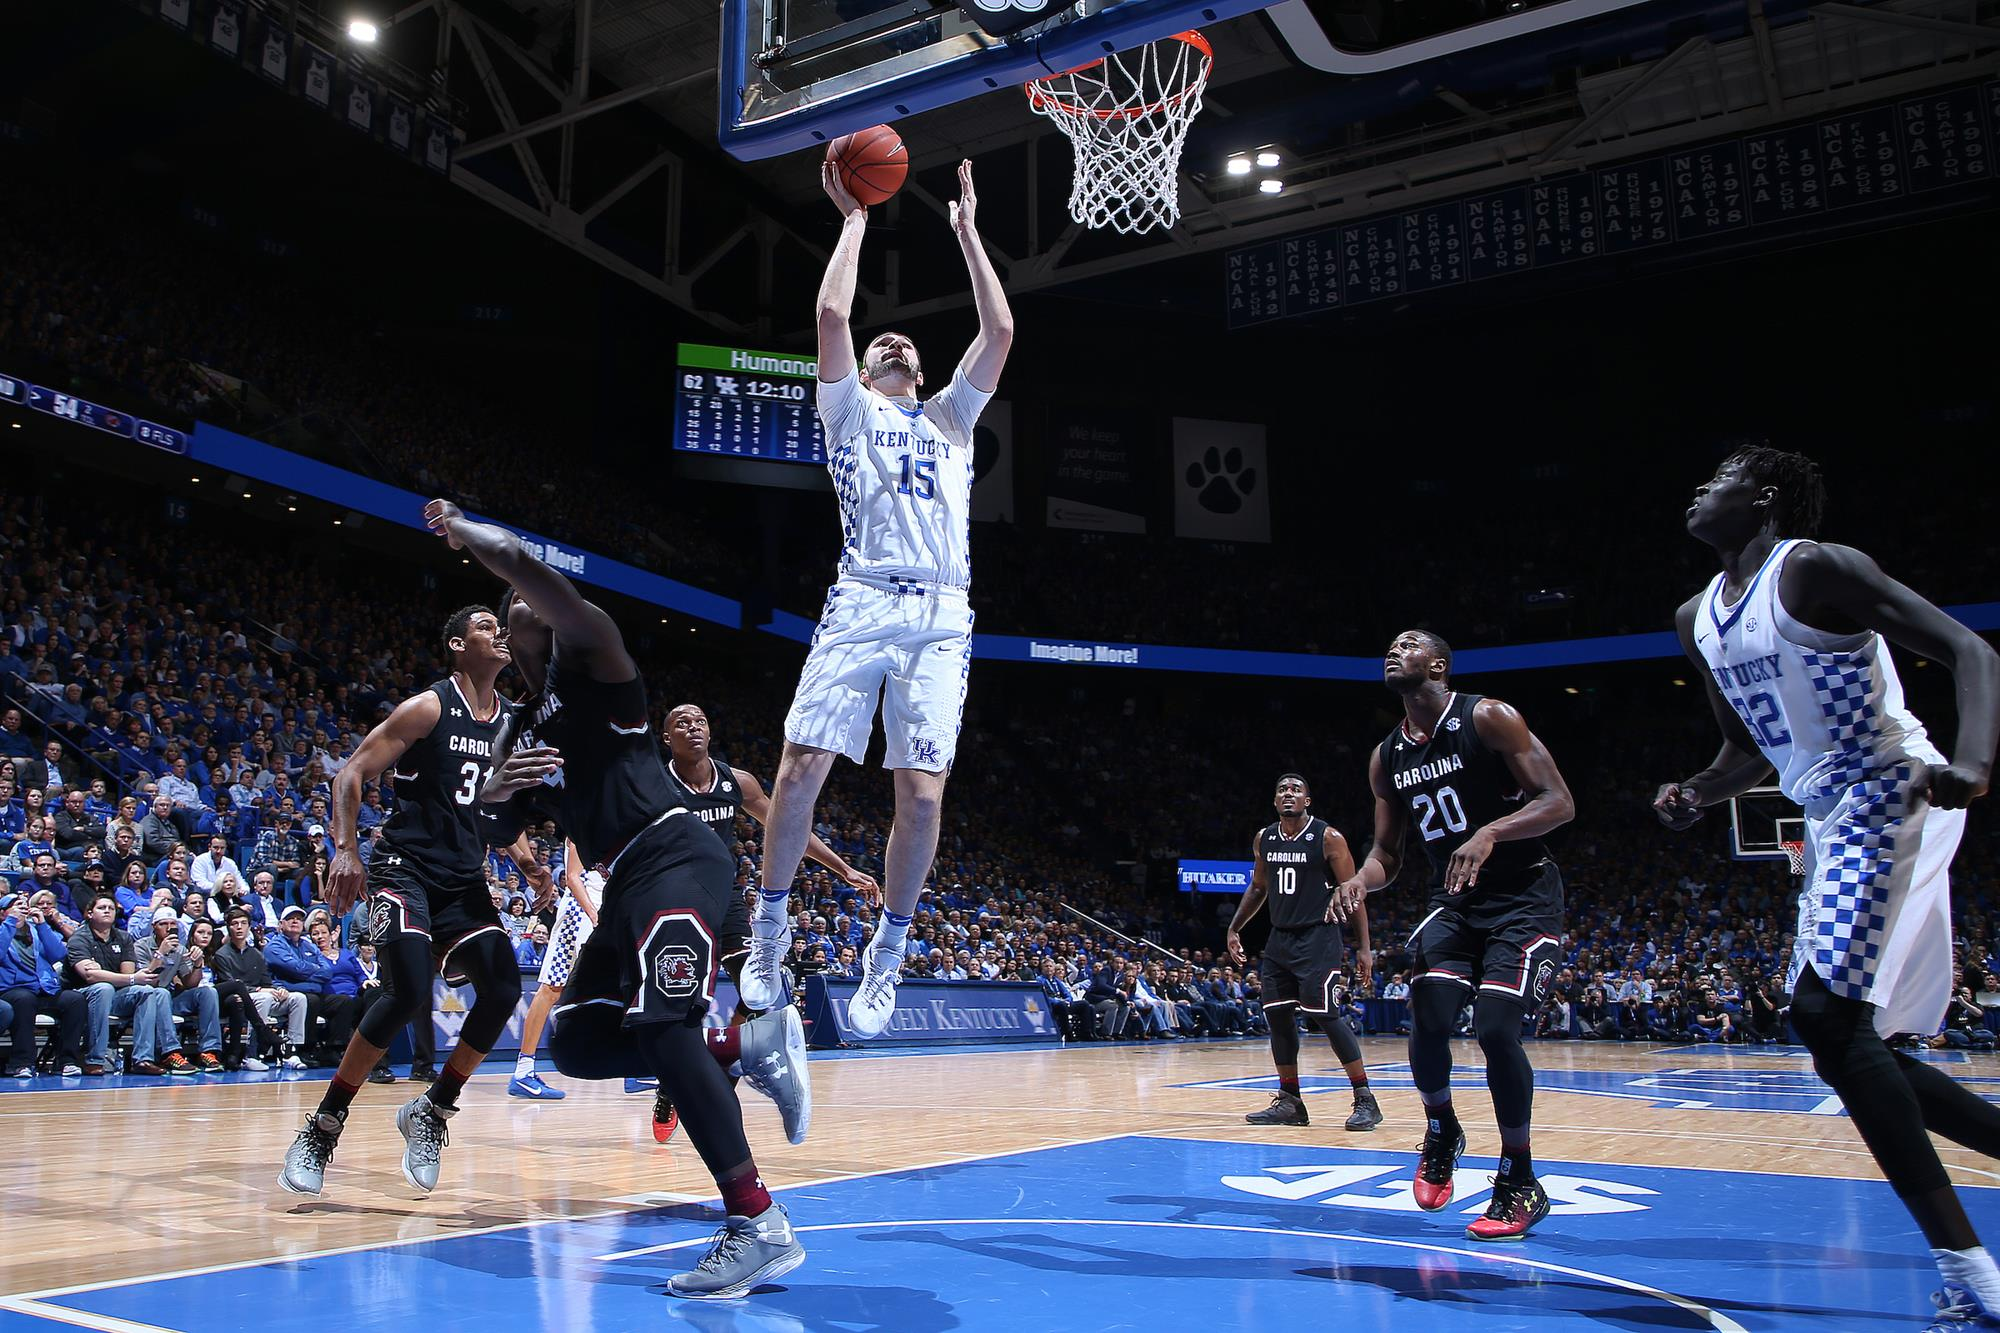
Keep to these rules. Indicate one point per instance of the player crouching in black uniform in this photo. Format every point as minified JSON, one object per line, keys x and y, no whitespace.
{"x":1297,"y":861}
{"x":429,"y":906}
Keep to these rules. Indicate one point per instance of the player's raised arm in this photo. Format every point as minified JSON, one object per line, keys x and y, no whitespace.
{"x":582,"y":627}
{"x":1340,"y":867}
{"x":1737,"y":767}
{"x":836,"y":289}
{"x":347,"y":877}
{"x":1252,"y":903}
{"x":1548,"y":806}
{"x":1378,"y":870}
{"x":988,"y":353}
{"x":1854,"y":586}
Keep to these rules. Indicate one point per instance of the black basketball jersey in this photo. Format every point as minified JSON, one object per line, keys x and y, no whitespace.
{"x":613,"y":783}
{"x":1452,"y":786}
{"x":436,"y":827}
{"x":1295,"y":874}
{"x":717,"y":803}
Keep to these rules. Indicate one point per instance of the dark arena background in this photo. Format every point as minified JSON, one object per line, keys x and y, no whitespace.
{"x":1444,"y":314}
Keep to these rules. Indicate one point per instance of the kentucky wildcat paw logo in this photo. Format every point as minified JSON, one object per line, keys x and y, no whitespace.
{"x":1222,"y":480}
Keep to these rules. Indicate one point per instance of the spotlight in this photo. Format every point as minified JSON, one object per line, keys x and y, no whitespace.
{"x":1571,"y":689}
{"x":1268,"y":158}
{"x":361,"y":30}
{"x":1238,"y":166}
{"x":1270,"y":185}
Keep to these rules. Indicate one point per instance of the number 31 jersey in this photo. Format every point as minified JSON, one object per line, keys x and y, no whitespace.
{"x":1826,"y":709}
{"x":437,"y":827}
{"x":1453,"y":786}
{"x":903,"y":474}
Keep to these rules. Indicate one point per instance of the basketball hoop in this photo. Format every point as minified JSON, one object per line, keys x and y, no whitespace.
{"x":1127,"y":117}
{"x":1795,"y":857}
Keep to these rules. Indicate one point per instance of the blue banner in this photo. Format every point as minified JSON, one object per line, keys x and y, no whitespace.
{"x":1214,"y":876}
{"x":932,"y":1013}
{"x":364,"y":495}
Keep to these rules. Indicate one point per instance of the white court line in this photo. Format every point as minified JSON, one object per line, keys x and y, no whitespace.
{"x":1716,"y":1320}
{"x":78,"y":1318}
{"x":51,"y":1293}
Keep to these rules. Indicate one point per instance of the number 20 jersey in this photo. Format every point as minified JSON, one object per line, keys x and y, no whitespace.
{"x":1826,"y":709}
{"x":903,"y":475}
{"x":437,"y":827}
{"x":1453,"y":786}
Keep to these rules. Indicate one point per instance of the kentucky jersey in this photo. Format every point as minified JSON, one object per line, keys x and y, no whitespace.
{"x":715,"y":804}
{"x":903,"y":474}
{"x":1295,"y":874}
{"x":1826,"y":709}
{"x":612,"y":781}
{"x":1453,"y":786}
{"x":437,"y":826}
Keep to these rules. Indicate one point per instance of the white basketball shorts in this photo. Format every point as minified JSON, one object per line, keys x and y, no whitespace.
{"x":572,"y":929}
{"x":911,"y":648}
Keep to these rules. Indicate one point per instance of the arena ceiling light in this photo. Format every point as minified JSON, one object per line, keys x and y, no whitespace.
{"x":362,"y":30}
{"x":1270,"y":185}
{"x":1239,"y":165}
{"x":1267,"y":158}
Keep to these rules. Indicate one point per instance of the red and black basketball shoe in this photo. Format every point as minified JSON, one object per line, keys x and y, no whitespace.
{"x":1432,"y":1186}
{"x":665,"y":1118}
{"x":1516,"y":1207}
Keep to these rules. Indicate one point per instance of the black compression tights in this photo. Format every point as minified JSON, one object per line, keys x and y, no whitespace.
{"x":487,"y":963}
{"x":1434,"y":1008}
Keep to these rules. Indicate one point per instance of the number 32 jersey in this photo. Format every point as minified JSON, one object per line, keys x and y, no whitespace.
{"x":437,"y":827}
{"x":1453,"y":786}
{"x":1826,"y":709}
{"x":903,"y":474}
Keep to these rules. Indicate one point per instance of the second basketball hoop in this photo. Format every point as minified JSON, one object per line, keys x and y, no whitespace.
{"x":1127,"y":117}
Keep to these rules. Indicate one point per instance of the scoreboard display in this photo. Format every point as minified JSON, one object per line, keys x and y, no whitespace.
{"x":737,"y":403}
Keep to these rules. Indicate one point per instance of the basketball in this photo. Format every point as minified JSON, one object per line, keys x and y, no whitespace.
{"x":872,"y":163}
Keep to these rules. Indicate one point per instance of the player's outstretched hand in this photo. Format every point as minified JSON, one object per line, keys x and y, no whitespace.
{"x":864,"y":884}
{"x":522,"y":770}
{"x":439,"y":515}
{"x":1234,"y":947}
{"x":543,"y":883}
{"x":1677,"y":805}
{"x":1953,"y":786}
{"x":848,"y":205}
{"x":346,"y":881}
{"x":1463,"y":871}
{"x":966,"y":205}
{"x":1364,"y":971}
{"x":1347,"y":899}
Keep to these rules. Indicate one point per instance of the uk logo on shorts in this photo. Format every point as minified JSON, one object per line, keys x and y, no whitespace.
{"x":924,"y":753}
{"x":674,"y":971}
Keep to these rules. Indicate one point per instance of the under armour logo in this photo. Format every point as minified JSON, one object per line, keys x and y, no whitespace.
{"x":394,"y":861}
{"x":458,"y":712}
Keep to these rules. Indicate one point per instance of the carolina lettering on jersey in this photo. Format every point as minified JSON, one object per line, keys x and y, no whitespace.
{"x":1296,"y":880}
{"x":715,"y":804}
{"x":436,"y":827}
{"x":1452,"y":786}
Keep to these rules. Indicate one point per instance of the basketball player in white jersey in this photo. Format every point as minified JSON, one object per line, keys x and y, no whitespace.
{"x":574,"y":922}
{"x":896,"y":622}
{"x":1793,"y":638}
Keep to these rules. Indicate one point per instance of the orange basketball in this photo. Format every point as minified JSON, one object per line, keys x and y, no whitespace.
{"x":872,"y":163}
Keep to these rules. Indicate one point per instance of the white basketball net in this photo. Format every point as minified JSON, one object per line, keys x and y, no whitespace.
{"x":1127,"y":117}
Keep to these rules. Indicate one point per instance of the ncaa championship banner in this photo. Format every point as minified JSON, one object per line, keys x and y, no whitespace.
{"x":1215,"y":876}
{"x":935,"y":1013}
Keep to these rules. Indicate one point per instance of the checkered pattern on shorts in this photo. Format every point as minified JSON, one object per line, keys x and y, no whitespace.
{"x":572,"y":929}
{"x":1845,"y":686}
{"x":1852,"y":865}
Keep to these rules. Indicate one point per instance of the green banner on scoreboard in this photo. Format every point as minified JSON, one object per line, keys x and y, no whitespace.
{"x":747,"y":362}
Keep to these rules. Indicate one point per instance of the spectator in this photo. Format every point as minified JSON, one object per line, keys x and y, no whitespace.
{"x":158,"y":833}
{"x":264,"y":905}
{"x":1153,"y":1013}
{"x":35,"y":840}
{"x":1964,"y":1025}
{"x":103,"y":964}
{"x":14,"y":744}
{"x":531,"y":948}
{"x":210,"y":867}
{"x":177,"y":787}
{"x":1396,"y":989}
{"x":76,"y":829}
{"x":46,"y":880}
{"x":1631,"y":1017}
{"x":45,"y":902}
{"x":1111,"y":1001}
{"x":1073,"y":1016}
{"x":52,"y":774}
{"x":31,"y":959}
{"x":181,"y":976}
{"x":1594,"y":1019}
{"x":1710,"y":1021}
{"x":242,"y":962}
{"x":336,"y":1005}
{"x":132,"y":892}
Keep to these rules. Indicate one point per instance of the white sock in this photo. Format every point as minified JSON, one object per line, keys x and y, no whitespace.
{"x":524,"y":1066}
{"x":773,"y":907}
{"x":1973,"y":1270}
{"x":893,"y":932}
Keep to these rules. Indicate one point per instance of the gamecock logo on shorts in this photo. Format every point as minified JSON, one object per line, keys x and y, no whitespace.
{"x":379,"y":918}
{"x":1544,"y":974}
{"x":675,"y":971}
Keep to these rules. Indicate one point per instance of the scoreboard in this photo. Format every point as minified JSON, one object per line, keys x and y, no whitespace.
{"x":738,"y":403}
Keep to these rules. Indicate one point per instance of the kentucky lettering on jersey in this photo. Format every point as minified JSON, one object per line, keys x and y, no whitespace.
{"x":1826,"y":709}
{"x":903,"y":474}
{"x":436,"y":826}
{"x":1452,"y":786}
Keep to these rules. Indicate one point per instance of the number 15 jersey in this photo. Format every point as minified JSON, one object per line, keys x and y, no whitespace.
{"x":1453,"y":786}
{"x":903,"y":474}
{"x":438,"y":827}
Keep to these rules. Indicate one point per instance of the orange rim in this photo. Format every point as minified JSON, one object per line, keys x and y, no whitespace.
{"x":1041,"y":96}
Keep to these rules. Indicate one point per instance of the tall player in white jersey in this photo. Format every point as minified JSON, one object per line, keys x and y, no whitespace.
{"x":1793,"y":637}
{"x":896,"y":622}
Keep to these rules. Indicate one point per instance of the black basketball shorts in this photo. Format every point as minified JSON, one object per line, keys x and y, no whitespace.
{"x":1299,"y":967}
{"x":402,"y":902}
{"x":659,"y":933}
{"x":1505,"y":940}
